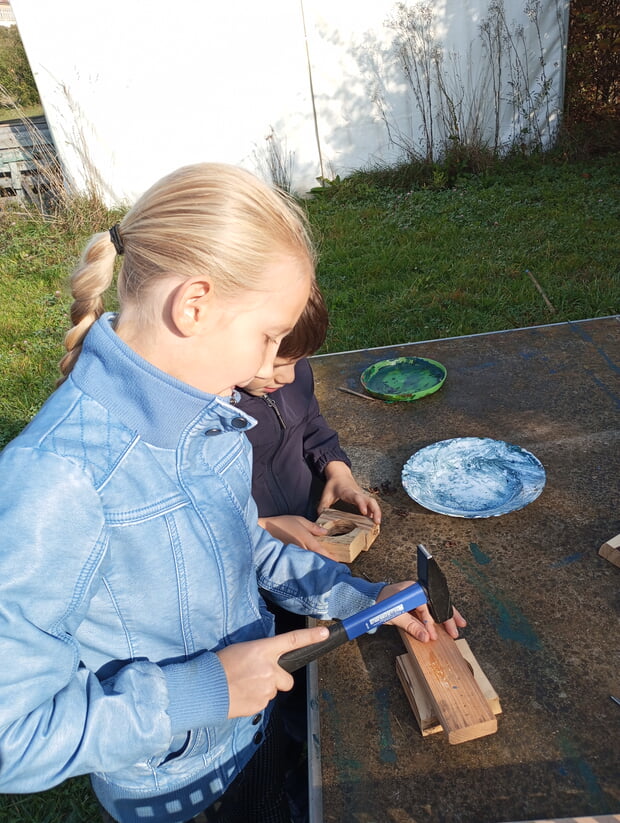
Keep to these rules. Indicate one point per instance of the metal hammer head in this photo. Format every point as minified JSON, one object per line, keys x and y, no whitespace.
{"x":434,"y":583}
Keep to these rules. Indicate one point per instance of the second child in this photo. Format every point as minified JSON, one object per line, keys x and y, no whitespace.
{"x":299,"y":467}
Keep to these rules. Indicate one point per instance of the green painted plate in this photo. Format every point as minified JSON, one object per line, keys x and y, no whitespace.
{"x":404,"y":378}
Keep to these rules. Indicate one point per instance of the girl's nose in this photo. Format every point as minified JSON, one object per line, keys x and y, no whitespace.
{"x":265,"y":372}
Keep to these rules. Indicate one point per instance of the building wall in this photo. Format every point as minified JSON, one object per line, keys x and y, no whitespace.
{"x":141,"y":88}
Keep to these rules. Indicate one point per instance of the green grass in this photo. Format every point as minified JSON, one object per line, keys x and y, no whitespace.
{"x":398,"y":264}
{"x":73,"y":802}
{"x":404,"y":265}
{"x":36,"y":257}
{"x":11,"y":113}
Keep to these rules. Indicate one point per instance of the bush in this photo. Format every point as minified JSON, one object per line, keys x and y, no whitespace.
{"x":593,"y":61}
{"x":17,"y":86}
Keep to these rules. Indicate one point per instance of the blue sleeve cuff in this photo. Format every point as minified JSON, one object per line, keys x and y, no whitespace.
{"x":197,"y":692}
{"x":351,"y":595}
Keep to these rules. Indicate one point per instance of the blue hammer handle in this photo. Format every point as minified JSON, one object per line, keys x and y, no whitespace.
{"x":360,"y":623}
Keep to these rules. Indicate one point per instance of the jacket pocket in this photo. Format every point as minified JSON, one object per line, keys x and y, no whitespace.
{"x":174,"y":752}
{"x":183,"y":746}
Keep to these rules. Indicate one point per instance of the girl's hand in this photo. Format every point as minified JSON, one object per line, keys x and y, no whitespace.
{"x":252,"y":671}
{"x":420,"y":623}
{"x":341,"y":485}
{"x":290,"y":528}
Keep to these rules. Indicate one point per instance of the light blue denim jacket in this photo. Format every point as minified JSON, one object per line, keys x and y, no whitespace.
{"x":129,"y":554}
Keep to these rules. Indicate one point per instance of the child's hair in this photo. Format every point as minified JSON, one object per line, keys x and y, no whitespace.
{"x":207,"y":217}
{"x":308,"y":334}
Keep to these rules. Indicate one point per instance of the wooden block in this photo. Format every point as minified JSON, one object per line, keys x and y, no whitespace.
{"x":418,"y":695}
{"x":348,"y":534}
{"x":456,"y":698}
{"x":611,"y":550}
{"x":479,"y":676}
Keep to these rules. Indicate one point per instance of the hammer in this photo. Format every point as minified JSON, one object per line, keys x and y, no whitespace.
{"x":431,"y":588}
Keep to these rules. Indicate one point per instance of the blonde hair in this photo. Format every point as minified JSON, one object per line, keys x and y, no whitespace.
{"x":210,"y":218}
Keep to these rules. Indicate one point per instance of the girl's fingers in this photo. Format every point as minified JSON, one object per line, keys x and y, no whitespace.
{"x":297,"y":639}
{"x":458,"y":618}
{"x":455,"y":623}
{"x":416,"y":628}
{"x":421,"y":625}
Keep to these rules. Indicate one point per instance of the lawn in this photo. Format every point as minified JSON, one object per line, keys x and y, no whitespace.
{"x":10,"y":113}
{"x":406,"y":265}
{"x":528,"y":242}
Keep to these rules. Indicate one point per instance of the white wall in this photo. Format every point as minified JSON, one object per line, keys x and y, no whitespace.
{"x":133,"y":89}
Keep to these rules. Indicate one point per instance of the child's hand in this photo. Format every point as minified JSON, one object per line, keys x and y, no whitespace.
{"x":252,"y":671}
{"x":291,"y":528}
{"x":420,"y":624}
{"x":341,"y":485}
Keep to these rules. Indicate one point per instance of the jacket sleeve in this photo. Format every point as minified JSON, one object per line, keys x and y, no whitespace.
{"x":321,"y":443}
{"x":57,"y":720}
{"x":305,"y":582}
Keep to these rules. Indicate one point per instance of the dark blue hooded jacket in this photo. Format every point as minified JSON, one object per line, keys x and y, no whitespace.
{"x":292,"y":444}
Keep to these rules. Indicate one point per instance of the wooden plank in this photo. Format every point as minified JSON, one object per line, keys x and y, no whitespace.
{"x":348,"y":534}
{"x":611,"y":550}
{"x":457,"y":699}
{"x":24,"y":134}
{"x":479,"y":676}
{"x":418,"y":695}
{"x":26,"y":151}
{"x":25,"y":147}
{"x":16,"y":181}
{"x":16,"y":155}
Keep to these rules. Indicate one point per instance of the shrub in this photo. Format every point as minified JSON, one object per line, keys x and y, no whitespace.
{"x":15,"y":72}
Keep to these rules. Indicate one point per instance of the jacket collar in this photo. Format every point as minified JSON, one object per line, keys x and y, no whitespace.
{"x":147,"y":400}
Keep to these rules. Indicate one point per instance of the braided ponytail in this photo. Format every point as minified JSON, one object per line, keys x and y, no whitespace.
{"x":89,"y":282}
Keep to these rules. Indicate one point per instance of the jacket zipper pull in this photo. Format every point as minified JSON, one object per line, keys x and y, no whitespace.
{"x":273,"y":405}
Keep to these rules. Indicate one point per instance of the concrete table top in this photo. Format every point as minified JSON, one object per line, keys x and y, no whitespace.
{"x":542,"y":605}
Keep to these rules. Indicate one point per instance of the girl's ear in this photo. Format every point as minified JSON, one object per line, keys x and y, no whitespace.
{"x":189,"y":305}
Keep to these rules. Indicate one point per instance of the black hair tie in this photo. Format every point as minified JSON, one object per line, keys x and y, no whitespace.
{"x":116,"y":239}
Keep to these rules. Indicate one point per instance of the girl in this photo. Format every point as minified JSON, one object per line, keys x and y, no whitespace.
{"x":136,"y":646}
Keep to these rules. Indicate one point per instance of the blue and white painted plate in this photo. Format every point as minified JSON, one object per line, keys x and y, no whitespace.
{"x":473,"y":477}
